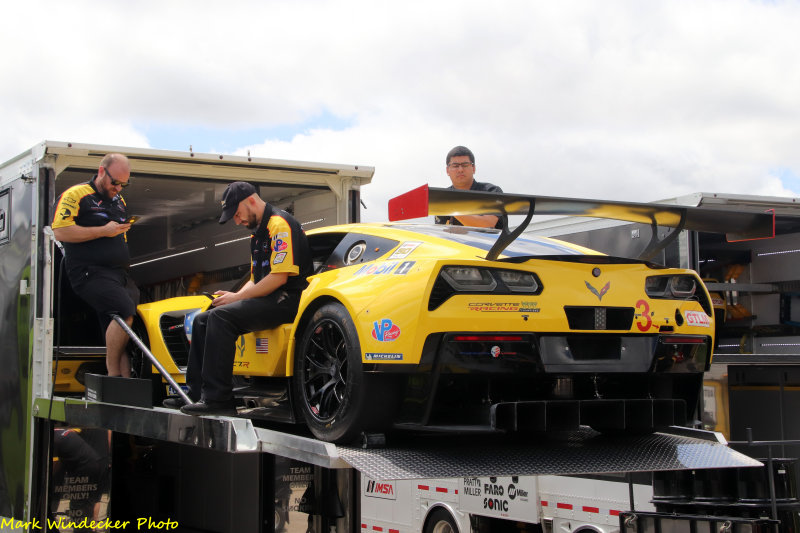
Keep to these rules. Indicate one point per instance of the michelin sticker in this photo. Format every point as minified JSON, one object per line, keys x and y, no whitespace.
{"x":373,"y":356}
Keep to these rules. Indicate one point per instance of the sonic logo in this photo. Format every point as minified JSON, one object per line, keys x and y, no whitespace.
{"x":601,"y":292}
{"x":385,"y":330}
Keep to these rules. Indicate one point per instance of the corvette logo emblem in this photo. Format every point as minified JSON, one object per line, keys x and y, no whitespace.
{"x":601,"y":292}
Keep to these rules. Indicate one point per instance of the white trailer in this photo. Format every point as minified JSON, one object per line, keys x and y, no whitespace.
{"x":588,"y":482}
{"x":561,"y":503}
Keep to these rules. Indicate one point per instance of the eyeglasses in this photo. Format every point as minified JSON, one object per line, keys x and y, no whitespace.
{"x":455,"y":166}
{"x":114,"y":182}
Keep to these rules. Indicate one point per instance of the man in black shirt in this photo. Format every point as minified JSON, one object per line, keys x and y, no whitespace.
{"x":90,"y":220}
{"x":461,"y":169}
{"x":281,"y":262}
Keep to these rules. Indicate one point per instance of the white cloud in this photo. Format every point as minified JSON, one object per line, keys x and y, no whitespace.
{"x":615,"y":99}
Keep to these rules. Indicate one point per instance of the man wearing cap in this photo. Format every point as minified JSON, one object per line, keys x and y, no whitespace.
{"x":281,"y":262}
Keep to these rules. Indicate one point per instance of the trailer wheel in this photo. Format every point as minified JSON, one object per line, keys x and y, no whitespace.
{"x":329,"y":385}
{"x":441,"y":521}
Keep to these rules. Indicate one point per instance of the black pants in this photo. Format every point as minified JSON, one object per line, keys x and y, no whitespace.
{"x":209,"y":374}
{"x":110,"y":291}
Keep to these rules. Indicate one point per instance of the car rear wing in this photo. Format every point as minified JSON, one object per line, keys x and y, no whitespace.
{"x":736,"y":224}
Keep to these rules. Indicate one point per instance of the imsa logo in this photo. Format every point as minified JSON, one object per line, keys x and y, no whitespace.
{"x":380,"y":489}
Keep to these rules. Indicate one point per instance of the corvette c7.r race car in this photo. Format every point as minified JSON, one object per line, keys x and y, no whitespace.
{"x":438,"y":327}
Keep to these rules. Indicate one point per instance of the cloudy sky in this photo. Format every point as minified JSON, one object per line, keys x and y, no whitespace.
{"x":629,"y":100}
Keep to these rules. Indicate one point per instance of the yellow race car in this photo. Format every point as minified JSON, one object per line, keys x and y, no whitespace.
{"x":439,"y":327}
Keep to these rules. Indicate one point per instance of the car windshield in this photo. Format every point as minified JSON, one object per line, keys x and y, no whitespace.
{"x":484,"y":239}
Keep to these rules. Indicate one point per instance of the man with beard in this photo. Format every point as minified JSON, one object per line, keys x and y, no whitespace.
{"x":90,"y":220}
{"x":280,"y":264}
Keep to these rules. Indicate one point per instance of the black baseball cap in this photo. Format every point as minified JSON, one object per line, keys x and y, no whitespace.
{"x":235,"y":193}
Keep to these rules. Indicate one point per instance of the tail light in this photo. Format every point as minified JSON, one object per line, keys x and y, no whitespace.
{"x":479,"y":280}
{"x":677,"y":287}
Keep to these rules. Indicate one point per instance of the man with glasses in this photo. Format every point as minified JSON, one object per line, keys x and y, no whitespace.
{"x":90,"y":220}
{"x":461,"y":169}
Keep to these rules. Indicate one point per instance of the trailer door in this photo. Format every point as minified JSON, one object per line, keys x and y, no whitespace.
{"x":17,"y":213}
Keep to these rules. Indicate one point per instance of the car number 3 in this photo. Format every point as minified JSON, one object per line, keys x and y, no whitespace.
{"x":644,"y":324}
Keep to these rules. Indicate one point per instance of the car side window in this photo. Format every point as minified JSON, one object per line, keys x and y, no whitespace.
{"x":330,"y":251}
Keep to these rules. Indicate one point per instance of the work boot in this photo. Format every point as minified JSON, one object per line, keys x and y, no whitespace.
{"x":175,"y":402}
{"x":211,"y":407}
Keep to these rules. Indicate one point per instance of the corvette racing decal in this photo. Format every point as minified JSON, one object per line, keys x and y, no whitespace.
{"x":385,"y":330}
{"x":697,"y":318}
{"x":504,"y":307}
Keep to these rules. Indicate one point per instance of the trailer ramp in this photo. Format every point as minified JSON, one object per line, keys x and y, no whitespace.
{"x":581,"y":452}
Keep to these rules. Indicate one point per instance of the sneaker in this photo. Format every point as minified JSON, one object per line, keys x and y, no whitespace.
{"x":211,"y":407}
{"x":175,"y":402}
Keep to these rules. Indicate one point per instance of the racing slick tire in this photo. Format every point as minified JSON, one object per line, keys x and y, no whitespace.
{"x":440,"y":521}
{"x":333,"y":395}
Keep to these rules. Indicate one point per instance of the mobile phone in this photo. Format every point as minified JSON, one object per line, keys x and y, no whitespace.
{"x":132,"y":219}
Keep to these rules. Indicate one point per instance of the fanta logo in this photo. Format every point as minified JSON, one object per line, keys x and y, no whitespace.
{"x":385,"y":330}
{"x":697,"y":318}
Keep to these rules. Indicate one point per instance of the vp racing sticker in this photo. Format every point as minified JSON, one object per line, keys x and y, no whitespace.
{"x":385,"y":330}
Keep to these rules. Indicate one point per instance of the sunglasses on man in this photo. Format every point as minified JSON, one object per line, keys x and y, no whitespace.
{"x":114,"y":182}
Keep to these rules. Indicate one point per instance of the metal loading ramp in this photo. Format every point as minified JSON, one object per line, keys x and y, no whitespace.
{"x":582,"y":452}
{"x":418,"y":457}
